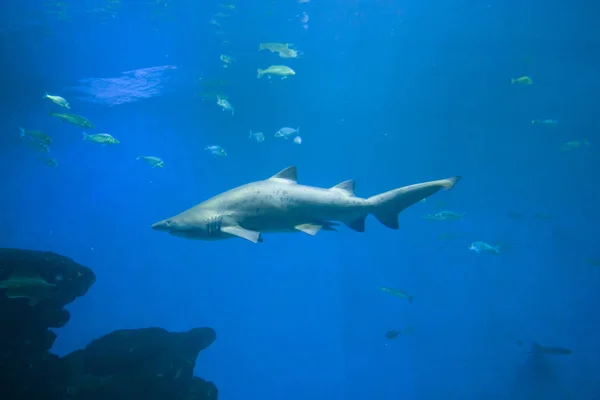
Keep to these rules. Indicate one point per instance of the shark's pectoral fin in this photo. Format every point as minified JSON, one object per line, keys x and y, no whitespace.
{"x":247,"y":234}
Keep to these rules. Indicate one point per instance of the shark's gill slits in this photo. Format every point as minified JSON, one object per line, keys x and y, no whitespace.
{"x":213,"y":226}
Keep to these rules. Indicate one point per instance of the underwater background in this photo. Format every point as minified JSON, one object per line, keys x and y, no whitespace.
{"x":385,"y":92}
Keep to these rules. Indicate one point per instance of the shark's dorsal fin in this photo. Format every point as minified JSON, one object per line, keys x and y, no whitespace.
{"x":346,"y":187}
{"x":289,"y":175}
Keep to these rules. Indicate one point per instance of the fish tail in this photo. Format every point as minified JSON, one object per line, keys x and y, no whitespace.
{"x":85,"y":136}
{"x":410,"y":299}
{"x":260,"y":73}
{"x":512,"y":81}
{"x":45,"y":96}
{"x":249,"y":136}
{"x":22,"y":132}
{"x":386,"y":206}
{"x":298,"y":131}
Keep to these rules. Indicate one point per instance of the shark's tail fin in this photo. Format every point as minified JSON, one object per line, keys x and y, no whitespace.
{"x":386,"y":206}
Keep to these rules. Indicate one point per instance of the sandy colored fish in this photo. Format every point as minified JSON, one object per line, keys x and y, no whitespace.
{"x":398,"y":293}
{"x":36,"y":135}
{"x":28,"y":284}
{"x":57,"y":100}
{"x":214,"y":22}
{"x":226,"y":60}
{"x":51,"y":162}
{"x":283,"y":49}
{"x":74,"y":119}
{"x":228,"y":6}
{"x":280,"y":70}
{"x":524,"y":80}
{"x":574,"y":144}
{"x":274,"y":47}
{"x":287,"y":132}
{"x":258,"y":136}
{"x":102,"y":138}
{"x":225,"y":104}
{"x":154,"y":162}
{"x":216,"y":151}
{"x":280,"y":204}
{"x":221,"y":14}
{"x":444,"y":216}
{"x":482,"y":247}
{"x":544,"y":122}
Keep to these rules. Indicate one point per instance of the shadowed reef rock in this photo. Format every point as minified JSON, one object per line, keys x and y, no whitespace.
{"x":149,"y":363}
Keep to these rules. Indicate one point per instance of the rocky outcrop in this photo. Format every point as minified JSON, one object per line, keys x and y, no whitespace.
{"x":149,"y":363}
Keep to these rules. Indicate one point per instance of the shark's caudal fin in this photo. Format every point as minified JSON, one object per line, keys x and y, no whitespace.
{"x":387,"y":206}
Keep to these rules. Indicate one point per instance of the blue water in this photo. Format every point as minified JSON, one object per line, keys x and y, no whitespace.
{"x":388,"y":93}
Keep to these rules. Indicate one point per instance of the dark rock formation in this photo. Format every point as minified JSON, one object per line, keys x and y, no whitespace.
{"x":146,"y":363}
{"x":26,"y":366}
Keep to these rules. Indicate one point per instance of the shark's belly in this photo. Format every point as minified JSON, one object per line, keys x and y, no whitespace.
{"x":285,"y":217}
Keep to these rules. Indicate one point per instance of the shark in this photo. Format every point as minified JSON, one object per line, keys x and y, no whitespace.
{"x":281,"y":204}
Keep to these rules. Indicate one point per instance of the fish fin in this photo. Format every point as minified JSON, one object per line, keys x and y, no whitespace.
{"x":238,"y":231}
{"x":298,"y":131}
{"x":387,"y":206}
{"x":250,"y":134}
{"x":346,"y":187}
{"x":288,"y":175}
{"x":330,"y":226}
{"x":22,"y":131}
{"x":512,"y":81}
{"x":85,"y":136}
{"x":310,"y":229}
{"x":260,"y":73}
{"x":358,"y":224}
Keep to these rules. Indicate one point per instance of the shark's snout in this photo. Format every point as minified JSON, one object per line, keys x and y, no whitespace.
{"x":164,"y":225}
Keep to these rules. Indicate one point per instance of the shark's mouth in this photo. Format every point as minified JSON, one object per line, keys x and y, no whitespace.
{"x":210,"y":229}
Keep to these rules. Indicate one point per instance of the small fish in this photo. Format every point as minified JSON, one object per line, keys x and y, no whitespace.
{"x":444,"y":216}
{"x":51,"y":162}
{"x":225,"y":104}
{"x":298,"y":140}
{"x":538,"y":349}
{"x":57,"y":100}
{"x":102,"y":138}
{"x":393,"y":334}
{"x":216,"y":151}
{"x":286,"y":132}
{"x":594,"y":262}
{"x":214,"y":22}
{"x":574,"y":144}
{"x":221,"y":14}
{"x":154,"y":162}
{"x":280,"y":70}
{"x":258,"y":136}
{"x":544,"y":122}
{"x":74,"y":119}
{"x":482,"y":247}
{"x":36,"y":135}
{"x":524,"y":80}
{"x":397,"y":293}
{"x":226,"y":60}
{"x":227,"y":6}
{"x":28,"y":284}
